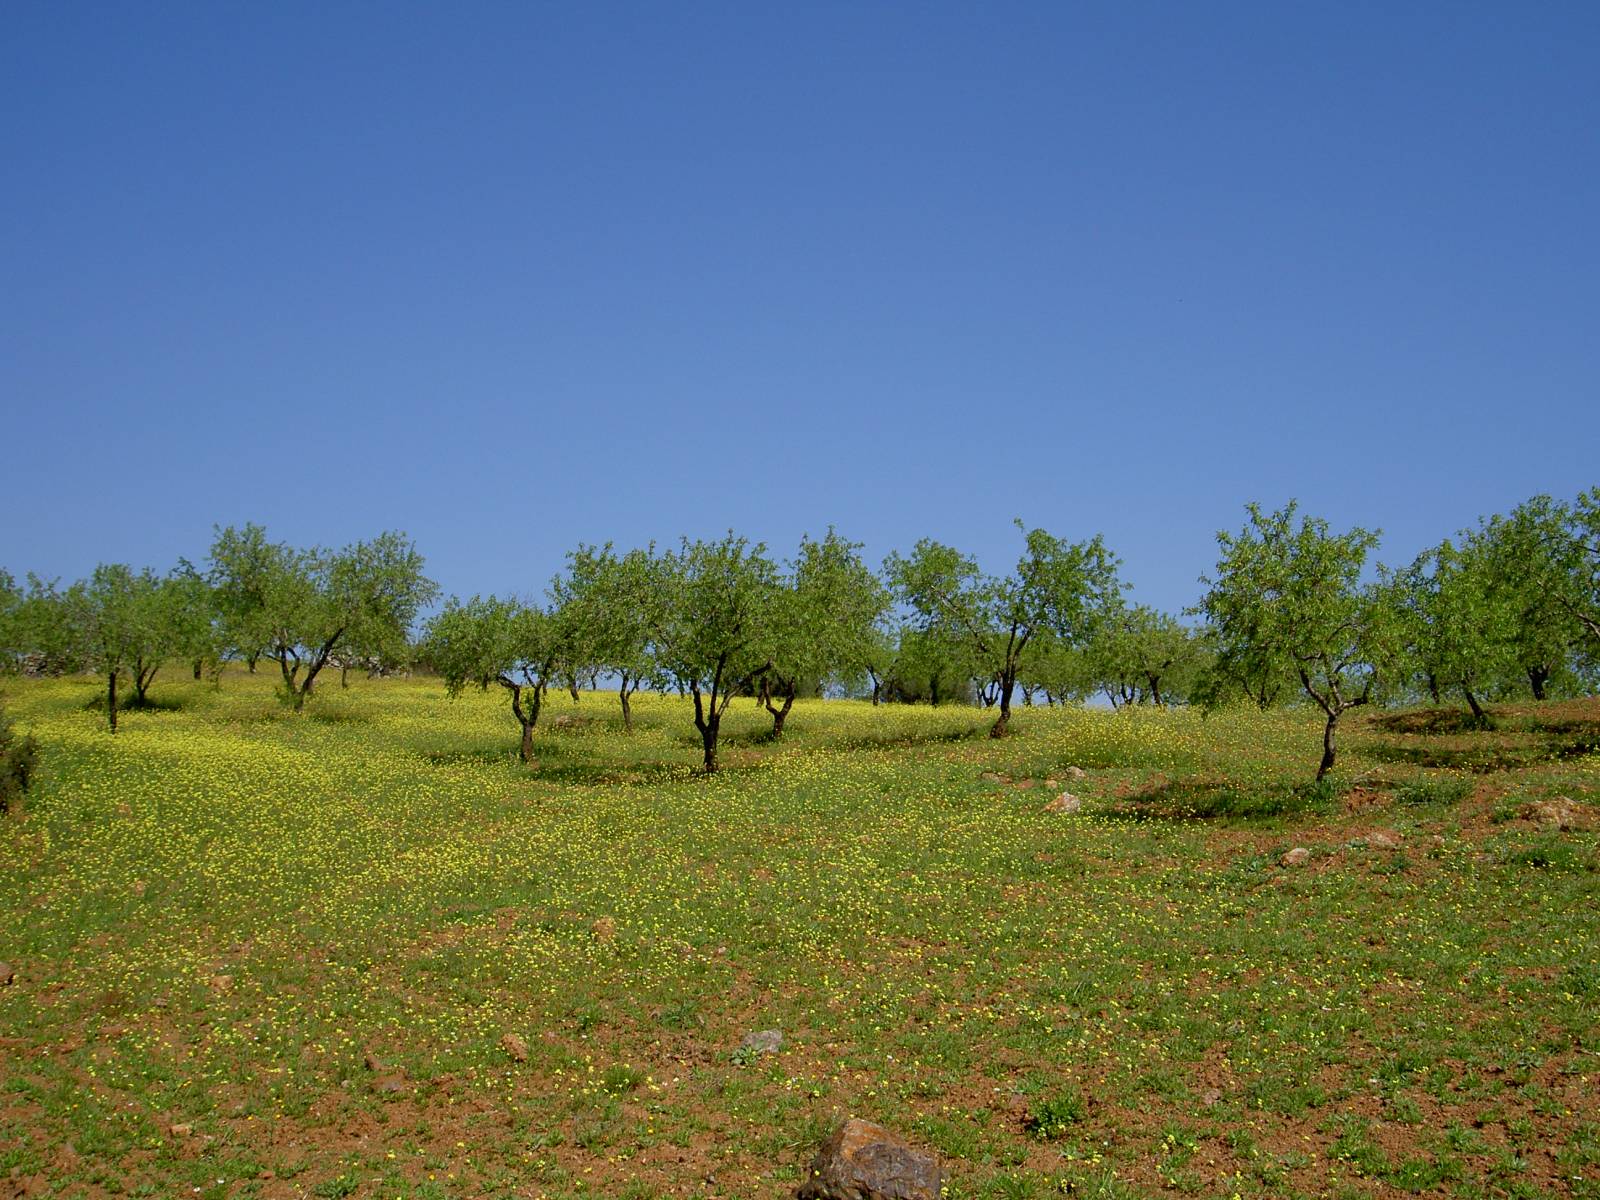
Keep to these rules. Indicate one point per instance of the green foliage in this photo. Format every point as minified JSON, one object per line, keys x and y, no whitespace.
{"x":1138,"y":655}
{"x":11,"y":634}
{"x":931,"y":666}
{"x":193,"y":619}
{"x":1530,"y":560}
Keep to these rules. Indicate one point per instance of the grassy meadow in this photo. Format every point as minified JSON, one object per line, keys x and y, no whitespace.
{"x":365,"y":952}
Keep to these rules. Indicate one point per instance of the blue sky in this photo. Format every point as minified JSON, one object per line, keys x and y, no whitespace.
{"x":511,"y":277}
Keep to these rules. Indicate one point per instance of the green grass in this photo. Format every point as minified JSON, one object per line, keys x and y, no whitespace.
{"x":217,"y":916}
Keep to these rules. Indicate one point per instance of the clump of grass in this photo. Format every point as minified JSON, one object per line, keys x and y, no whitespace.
{"x":1437,"y":790}
{"x":621,"y":1079}
{"x":1549,"y":854}
{"x":1050,"y":1119}
{"x":1582,"y":980}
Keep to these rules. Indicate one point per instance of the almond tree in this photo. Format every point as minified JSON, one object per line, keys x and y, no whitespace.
{"x":1059,"y":591}
{"x":716,"y":626}
{"x":246,"y":571}
{"x":1582,"y":597}
{"x":118,"y":627}
{"x":1139,"y":655}
{"x":1450,"y":624}
{"x":303,"y":607}
{"x":192,"y":617}
{"x":1290,"y":598}
{"x":611,"y":605}
{"x":1529,"y":557}
{"x":504,"y":642}
{"x":825,"y":625}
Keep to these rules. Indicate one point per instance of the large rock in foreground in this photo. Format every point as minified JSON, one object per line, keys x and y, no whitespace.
{"x":863,"y":1161}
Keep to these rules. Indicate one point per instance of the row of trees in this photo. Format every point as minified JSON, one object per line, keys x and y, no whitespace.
{"x":302,"y":608}
{"x":1293,"y":611}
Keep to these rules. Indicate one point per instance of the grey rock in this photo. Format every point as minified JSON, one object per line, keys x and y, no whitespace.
{"x":762,"y":1041}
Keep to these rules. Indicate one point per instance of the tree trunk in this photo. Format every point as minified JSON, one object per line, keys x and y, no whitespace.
{"x":1329,"y":733}
{"x":1003,"y":722}
{"x":250,"y":661}
{"x":142,"y":679}
{"x":708,"y":739}
{"x":1478,"y":715}
{"x":625,"y":696}
{"x":1538,"y":676}
{"x":344,"y":676}
{"x":1433,"y":687}
{"x":526,"y":717}
{"x":198,"y":663}
{"x":1155,"y":690}
{"x":111,"y":700}
{"x":779,"y":714}
{"x":572,"y":688}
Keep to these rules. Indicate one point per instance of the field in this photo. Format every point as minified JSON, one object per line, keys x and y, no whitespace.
{"x":365,"y":952}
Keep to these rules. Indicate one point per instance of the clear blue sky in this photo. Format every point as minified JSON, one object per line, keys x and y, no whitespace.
{"x":511,"y":277}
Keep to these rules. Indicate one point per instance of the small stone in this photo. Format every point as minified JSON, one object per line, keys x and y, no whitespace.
{"x":1064,"y":803}
{"x":389,"y":1085}
{"x":605,"y":929}
{"x":1052,"y":782}
{"x":863,"y":1161}
{"x":1211,"y":1097}
{"x":181,"y":1131}
{"x":8,"y":975}
{"x":220,"y":983}
{"x":1075,"y":773}
{"x":1297,"y":857}
{"x":266,"y":1173}
{"x":762,"y":1041}
{"x":1382,"y":839}
{"x":993,"y":777}
{"x":1026,"y":784}
{"x":373,"y":1063}
{"x":515,"y":1047}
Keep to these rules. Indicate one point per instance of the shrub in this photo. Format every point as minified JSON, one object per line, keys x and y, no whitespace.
{"x":19,"y":754}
